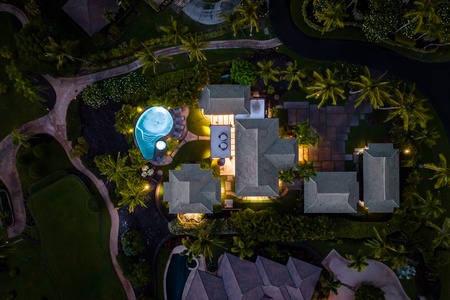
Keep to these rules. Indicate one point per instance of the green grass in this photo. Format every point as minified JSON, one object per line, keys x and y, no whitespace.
{"x":15,"y":109}
{"x":163,"y":257}
{"x":58,"y":161}
{"x":360,"y":136}
{"x":197,"y":123}
{"x":75,"y":243}
{"x":190,"y":152}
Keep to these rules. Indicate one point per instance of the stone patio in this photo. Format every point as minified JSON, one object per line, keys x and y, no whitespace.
{"x":333,"y":124}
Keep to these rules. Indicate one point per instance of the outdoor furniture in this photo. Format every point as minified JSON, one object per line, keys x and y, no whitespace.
{"x":228,"y":203}
{"x":177,"y":110}
{"x":176,"y":134}
{"x":178,"y":126}
{"x":179,"y":119}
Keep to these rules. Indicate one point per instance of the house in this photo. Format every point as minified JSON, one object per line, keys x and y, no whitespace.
{"x":260,"y":154}
{"x":264,"y":279}
{"x":88,"y":14}
{"x":381,"y":178}
{"x":225,"y":99}
{"x":332,"y":192}
{"x":191,"y":190}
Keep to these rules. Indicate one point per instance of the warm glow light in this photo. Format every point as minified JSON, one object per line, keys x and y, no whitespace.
{"x":139,"y":109}
{"x":130,"y":130}
{"x":407,"y":151}
{"x":146,"y":187}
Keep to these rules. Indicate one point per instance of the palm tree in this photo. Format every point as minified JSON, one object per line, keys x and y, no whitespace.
{"x":194,"y":47}
{"x":108,"y":15}
{"x":358,"y":262}
{"x":173,"y":33}
{"x":381,"y":249}
{"x":325,"y":87}
{"x":305,"y":135}
{"x":249,"y":11}
{"x":286,"y":176}
{"x":329,"y":285}
{"x":242,"y":248}
{"x":429,"y":136}
{"x":429,"y":207}
{"x":332,"y":15}
{"x":114,"y":170}
{"x":294,"y":74}
{"x":443,"y":234}
{"x":306,"y":169}
{"x":409,"y":108}
{"x":233,"y":20}
{"x":424,"y":12}
{"x":133,"y":194}
{"x":204,"y":240}
{"x":60,"y":52}
{"x":267,"y":72}
{"x":442,"y":173}
{"x":19,"y":139}
{"x":373,"y":89}
{"x":148,"y":59}
{"x":398,"y":258}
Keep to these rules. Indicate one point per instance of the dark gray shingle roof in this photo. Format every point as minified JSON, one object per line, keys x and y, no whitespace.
{"x":331,"y":192}
{"x":260,"y":154}
{"x":225,"y":99}
{"x":88,"y":13}
{"x":191,"y":190}
{"x":381,"y":178}
{"x":206,"y":286}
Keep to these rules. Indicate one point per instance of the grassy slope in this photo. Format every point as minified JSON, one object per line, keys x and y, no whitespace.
{"x":74,"y":249}
{"x":14,"y":108}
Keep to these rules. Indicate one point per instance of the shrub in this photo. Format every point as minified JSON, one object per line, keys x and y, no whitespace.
{"x":369,"y":292}
{"x":243,"y":72}
{"x":3,"y":88}
{"x":140,"y":274}
{"x":73,"y":120}
{"x":133,"y":243}
{"x":6,"y":52}
{"x":79,"y":147}
{"x":92,"y":96}
{"x":41,"y":150}
{"x":37,"y":170}
{"x":212,"y":266}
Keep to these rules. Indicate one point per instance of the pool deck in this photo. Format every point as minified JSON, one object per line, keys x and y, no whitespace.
{"x":201,"y":266}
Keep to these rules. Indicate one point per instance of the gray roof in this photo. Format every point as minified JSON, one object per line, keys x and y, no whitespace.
{"x":260,"y":154}
{"x":381,"y":178}
{"x":88,"y":13}
{"x":265,"y":279}
{"x":332,"y":192}
{"x":191,"y":190}
{"x":225,"y":99}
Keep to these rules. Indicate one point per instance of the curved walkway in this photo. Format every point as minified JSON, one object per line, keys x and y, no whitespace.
{"x":15,"y":11}
{"x":208,"y":13}
{"x":54,"y":124}
{"x":377,"y":274}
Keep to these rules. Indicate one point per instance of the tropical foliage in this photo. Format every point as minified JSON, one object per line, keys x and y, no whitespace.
{"x":20,"y":139}
{"x":267,"y":72}
{"x":374,"y":90}
{"x":305,"y":135}
{"x":243,"y":72}
{"x":358,"y":261}
{"x":242,"y":248}
{"x":324,"y":87}
{"x":293,"y":74}
{"x":172,"y":32}
{"x":442,"y":172}
{"x":194,"y":47}
{"x":330,"y":13}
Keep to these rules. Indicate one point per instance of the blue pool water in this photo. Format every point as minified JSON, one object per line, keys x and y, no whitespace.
{"x":153,"y":124}
{"x":177,"y":274}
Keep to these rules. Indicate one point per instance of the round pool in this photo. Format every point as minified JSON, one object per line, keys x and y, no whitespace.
{"x":154,"y":123}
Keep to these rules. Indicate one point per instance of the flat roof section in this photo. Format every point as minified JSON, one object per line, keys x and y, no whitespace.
{"x":257,"y":110}
{"x":220,"y":141}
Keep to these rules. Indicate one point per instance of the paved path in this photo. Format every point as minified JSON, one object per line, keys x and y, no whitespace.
{"x":208,"y":13}
{"x":333,"y":124}
{"x":54,"y":124}
{"x":15,"y":11}
{"x":376,"y":273}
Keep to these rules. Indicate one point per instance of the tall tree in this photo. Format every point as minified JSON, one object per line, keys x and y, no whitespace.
{"x":306,"y":169}
{"x":305,"y":135}
{"x":24,"y":85}
{"x":232,"y":19}
{"x":358,"y":261}
{"x":330,"y":285}
{"x":442,"y":172}
{"x":409,"y":108}
{"x":381,"y":248}
{"x":20,"y":139}
{"x":60,"y":52}
{"x":443,"y":234}
{"x":429,"y":207}
{"x":423,"y":13}
{"x":194,"y":47}
{"x":375,"y":90}
{"x":331,"y":14}
{"x":325,"y":87}
{"x":172,"y":32}
{"x":148,"y":59}
{"x":114,"y":170}
{"x":267,"y":71}
{"x":428,"y":136}
{"x":249,"y":11}
{"x":133,"y":193}
{"x":293,"y":74}
{"x":287,"y":176}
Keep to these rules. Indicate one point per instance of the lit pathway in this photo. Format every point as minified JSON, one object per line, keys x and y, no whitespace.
{"x":54,"y":124}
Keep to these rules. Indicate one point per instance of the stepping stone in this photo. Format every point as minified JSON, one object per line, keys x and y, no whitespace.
{"x":340,"y":156}
{"x":331,"y":133}
{"x":314,"y":116}
{"x":296,"y":105}
{"x":324,"y":153}
{"x":324,"y":143}
{"x":327,"y":166}
{"x":292,"y":117}
{"x":313,"y":153}
{"x":302,"y":115}
{"x":339,"y":166}
{"x":338,"y":146}
{"x":345,"y":129}
{"x":321,"y":129}
{"x":341,"y":136}
{"x":323,"y":116}
{"x":353,"y":120}
{"x":335,"y":109}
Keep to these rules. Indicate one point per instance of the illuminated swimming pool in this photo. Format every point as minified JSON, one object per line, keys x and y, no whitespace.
{"x":153,"y":124}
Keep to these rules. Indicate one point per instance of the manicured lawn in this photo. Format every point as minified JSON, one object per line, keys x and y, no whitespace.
{"x":196,"y":122}
{"x":163,"y":256}
{"x":75,"y":243}
{"x":360,"y":136}
{"x":189,"y":153}
{"x":14,"y":108}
